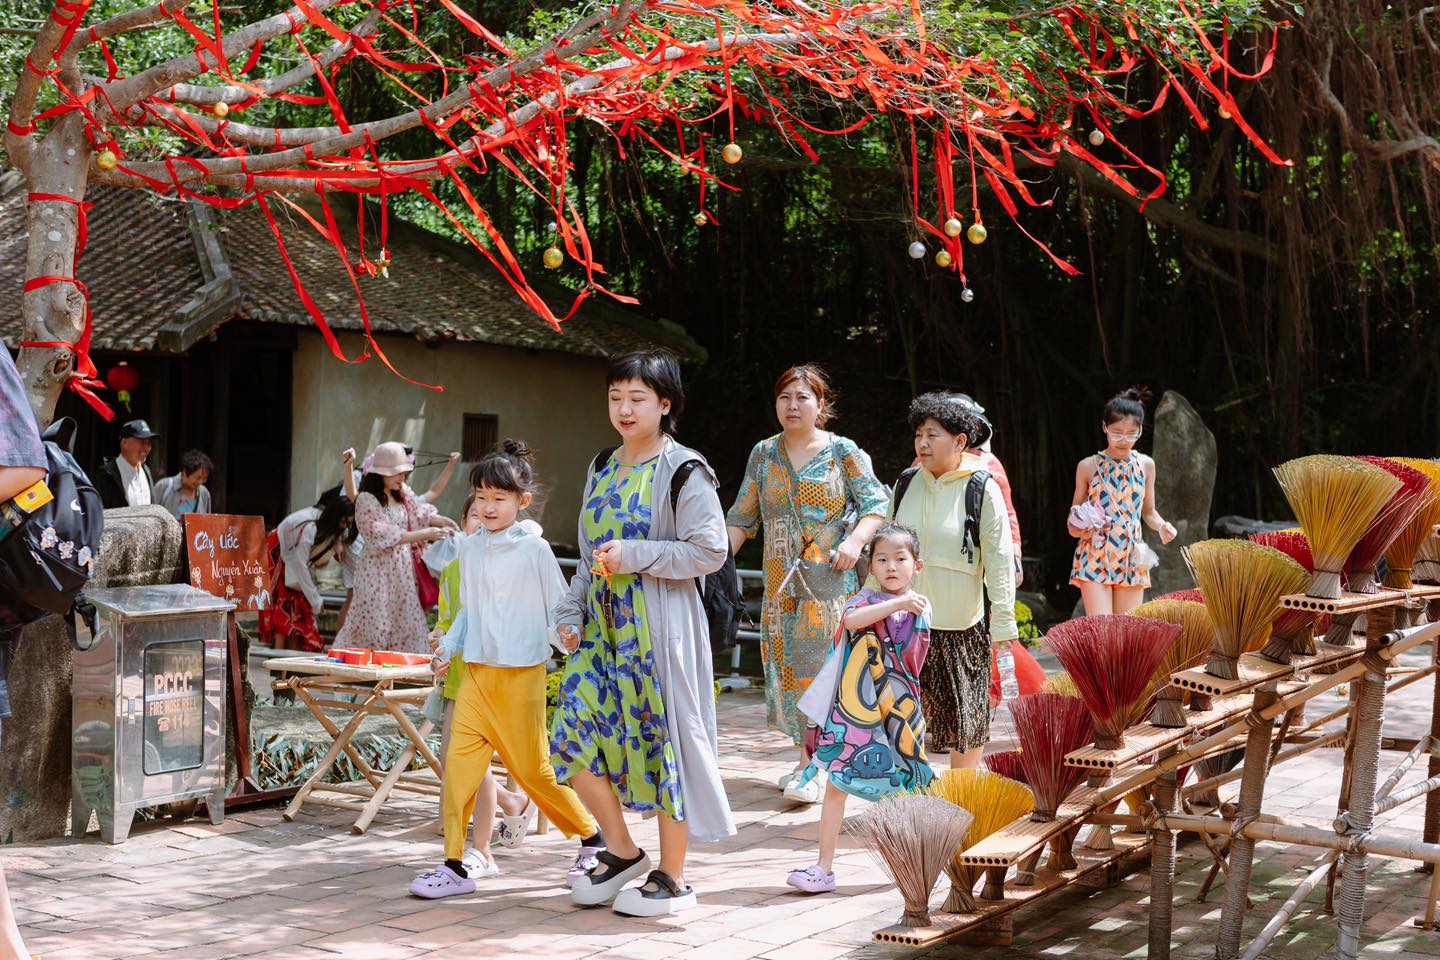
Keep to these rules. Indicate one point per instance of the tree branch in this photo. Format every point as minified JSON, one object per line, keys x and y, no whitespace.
{"x":27,"y":91}
{"x":139,"y":19}
{"x":1383,"y":150}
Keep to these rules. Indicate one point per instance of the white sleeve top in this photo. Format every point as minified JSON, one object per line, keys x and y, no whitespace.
{"x":509,"y":583}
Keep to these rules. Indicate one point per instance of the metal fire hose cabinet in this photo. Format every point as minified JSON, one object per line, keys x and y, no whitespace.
{"x":148,"y":705}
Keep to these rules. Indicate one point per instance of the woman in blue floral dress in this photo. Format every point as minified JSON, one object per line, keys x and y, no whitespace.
{"x":634,"y":725}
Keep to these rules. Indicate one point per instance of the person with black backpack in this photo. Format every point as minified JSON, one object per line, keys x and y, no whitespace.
{"x":22,"y":467}
{"x":957,"y":509}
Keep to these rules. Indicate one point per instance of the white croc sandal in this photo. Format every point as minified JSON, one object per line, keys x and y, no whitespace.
{"x":511,"y":831}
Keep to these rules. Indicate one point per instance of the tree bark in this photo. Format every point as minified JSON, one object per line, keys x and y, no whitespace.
{"x":55,"y":312}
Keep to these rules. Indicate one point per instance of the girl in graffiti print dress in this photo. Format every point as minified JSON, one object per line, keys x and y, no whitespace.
{"x":869,"y":737}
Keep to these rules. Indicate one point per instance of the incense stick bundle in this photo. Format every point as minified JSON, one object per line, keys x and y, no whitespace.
{"x":1049,"y":726}
{"x":912,"y":838}
{"x":995,"y":802}
{"x":1006,"y":764}
{"x":1412,"y":497}
{"x":1400,"y":558}
{"x":1190,"y":649}
{"x":1293,"y":631}
{"x":1243,"y":583}
{"x":1112,"y":660}
{"x":1188,"y":596}
{"x":1335,"y":499}
{"x":1427,"y":560}
{"x":1061,"y":683}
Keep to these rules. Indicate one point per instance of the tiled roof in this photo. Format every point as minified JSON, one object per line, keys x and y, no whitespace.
{"x":141,"y":265}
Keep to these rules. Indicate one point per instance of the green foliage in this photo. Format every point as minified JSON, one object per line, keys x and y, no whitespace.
{"x":1025,"y":620}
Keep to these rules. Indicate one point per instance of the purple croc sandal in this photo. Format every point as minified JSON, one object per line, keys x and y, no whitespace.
{"x":812,"y":879}
{"x":441,"y":882}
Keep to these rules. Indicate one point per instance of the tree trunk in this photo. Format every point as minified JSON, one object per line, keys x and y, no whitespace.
{"x":54,"y":312}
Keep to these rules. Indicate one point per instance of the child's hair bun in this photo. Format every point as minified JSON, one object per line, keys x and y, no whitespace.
{"x":1137,"y":393}
{"x":518,"y":449}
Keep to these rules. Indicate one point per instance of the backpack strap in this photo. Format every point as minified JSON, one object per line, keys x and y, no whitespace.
{"x":974,"y":503}
{"x":601,"y":458}
{"x":677,"y":482}
{"x":902,"y":483}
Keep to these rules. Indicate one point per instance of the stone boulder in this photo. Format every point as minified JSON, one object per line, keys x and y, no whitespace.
{"x":141,"y":545}
{"x":1185,"y":462}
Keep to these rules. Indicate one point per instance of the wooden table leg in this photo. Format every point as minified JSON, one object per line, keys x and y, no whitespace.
{"x":341,"y":742}
{"x":402,"y":763}
{"x":306,"y":697}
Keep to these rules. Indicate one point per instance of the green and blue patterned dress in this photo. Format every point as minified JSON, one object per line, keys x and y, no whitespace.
{"x":610,"y":717}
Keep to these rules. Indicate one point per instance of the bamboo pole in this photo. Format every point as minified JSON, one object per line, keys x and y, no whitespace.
{"x":1432,"y":802}
{"x":1162,"y":866}
{"x":1220,"y":780}
{"x":1424,"y":787}
{"x":1282,"y":830}
{"x":1242,"y":848}
{"x":1288,"y":908}
{"x":1357,"y":820}
{"x":1424,"y":744}
{"x":1399,"y":643}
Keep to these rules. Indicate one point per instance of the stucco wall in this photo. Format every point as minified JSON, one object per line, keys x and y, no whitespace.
{"x":554,"y":402}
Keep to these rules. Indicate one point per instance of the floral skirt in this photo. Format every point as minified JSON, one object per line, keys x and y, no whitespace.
{"x":955,"y":688}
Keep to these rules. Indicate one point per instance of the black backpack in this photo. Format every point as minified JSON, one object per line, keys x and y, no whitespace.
{"x":974,"y":501}
{"x":721,"y":596}
{"x":47,"y":560}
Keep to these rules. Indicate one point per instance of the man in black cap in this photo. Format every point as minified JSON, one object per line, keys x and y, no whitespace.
{"x":125,"y":480}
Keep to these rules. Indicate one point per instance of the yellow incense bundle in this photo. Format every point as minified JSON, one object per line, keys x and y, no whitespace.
{"x":1242,"y":583}
{"x":995,"y":802}
{"x":1400,"y":558}
{"x":1060,"y":683}
{"x":1191,"y":648}
{"x":1335,"y":499}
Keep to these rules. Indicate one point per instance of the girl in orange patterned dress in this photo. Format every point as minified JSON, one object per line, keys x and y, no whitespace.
{"x":1118,"y":485}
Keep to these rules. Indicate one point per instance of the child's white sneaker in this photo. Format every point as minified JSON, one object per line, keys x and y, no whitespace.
{"x":478,"y":866}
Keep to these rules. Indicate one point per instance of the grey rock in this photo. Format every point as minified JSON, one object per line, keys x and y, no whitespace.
{"x":1237,"y":527}
{"x":1185,"y":462}
{"x":141,"y":545}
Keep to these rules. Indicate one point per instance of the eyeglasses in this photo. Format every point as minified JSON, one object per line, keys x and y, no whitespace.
{"x":1122,"y":437}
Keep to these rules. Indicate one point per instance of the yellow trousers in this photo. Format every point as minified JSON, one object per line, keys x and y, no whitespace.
{"x":502,"y":709}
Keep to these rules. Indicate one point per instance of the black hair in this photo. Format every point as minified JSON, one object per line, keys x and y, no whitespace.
{"x":955,"y":414}
{"x":510,"y":467}
{"x":374,"y":484}
{"x":1128,"y":404}
{"x":337,"y":515}
{"x":659,"y":370}
{"x":192,"y":460}
{"x":894,"y":531}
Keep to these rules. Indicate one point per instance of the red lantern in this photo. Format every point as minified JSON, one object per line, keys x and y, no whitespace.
{"x":122,"y":378}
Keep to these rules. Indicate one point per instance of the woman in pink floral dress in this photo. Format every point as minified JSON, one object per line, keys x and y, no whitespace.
{"x":385,"y":613}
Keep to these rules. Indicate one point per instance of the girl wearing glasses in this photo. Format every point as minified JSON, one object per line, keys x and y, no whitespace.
{"x":1114,"y":492}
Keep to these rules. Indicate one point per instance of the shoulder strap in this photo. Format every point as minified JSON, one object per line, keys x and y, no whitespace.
{"x":902,"y":483}
{"x":974,"y":503}
{"x":677,"y":482}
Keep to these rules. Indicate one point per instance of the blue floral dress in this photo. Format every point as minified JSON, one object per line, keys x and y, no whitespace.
{"x":610,"y":717}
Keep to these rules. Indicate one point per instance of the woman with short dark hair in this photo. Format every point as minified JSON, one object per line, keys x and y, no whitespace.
{"x":634,"y":725}
{"x":819,"y":503}
{"x":957,"y":509}
{"x":185,"y":492}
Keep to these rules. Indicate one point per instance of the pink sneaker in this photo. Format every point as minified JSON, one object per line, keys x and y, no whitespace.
{"x":812,"y":879}
{"x":441,"y":882}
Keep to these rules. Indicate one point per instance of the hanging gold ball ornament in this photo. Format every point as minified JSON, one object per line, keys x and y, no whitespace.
{"x":553,"y":258}
{"x":953,"y":227}
{"x":732,"y":154}
{"x":943,"y":259}
{"x":1224,"y":114}
{"x":106,"y":160}
{"x":222,"y":110}
{"x":701,"y":219}
{"x":977,"y":233}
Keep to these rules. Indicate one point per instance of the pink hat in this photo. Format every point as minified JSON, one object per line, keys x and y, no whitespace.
{"x":388,"y":459}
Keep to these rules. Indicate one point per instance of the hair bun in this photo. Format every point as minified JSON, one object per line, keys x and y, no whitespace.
{"x":1137,"y":393}
{"x":517,"y":449}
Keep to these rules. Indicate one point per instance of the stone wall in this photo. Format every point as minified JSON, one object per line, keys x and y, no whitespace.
{"x":141,"y":545}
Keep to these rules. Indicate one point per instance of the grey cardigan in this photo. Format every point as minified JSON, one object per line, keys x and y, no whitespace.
{"x":167,"y":491}
{"x":683,"y":546}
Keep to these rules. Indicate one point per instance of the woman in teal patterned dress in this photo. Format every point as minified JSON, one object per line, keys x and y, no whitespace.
{"x":808,"y":488}
{"x":634,"y":725}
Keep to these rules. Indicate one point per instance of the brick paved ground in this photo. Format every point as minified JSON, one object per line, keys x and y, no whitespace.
{"x":259,"y":887}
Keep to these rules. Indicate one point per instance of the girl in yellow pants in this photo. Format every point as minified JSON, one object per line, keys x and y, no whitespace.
{"x":510,"y":583}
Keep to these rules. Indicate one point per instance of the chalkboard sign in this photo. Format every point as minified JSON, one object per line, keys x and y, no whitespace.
{"x":226,"y":557}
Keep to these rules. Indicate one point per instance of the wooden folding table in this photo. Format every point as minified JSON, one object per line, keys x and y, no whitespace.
{"x":323,"y":684}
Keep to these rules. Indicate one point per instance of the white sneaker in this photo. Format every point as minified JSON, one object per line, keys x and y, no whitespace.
{"x":478,"y":866}
{"x":809,"y":793}
{"x":784,"y":781}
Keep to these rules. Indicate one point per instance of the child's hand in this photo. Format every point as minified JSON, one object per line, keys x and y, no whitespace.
{"x":439,"y":666}
{"x":1167,"y":532}
{"x":914,"y":603}
{"x":569,"y":636}
{"x":347,"y":456}
{"x":434,"y":639}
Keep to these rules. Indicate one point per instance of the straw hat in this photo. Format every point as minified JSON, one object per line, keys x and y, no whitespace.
{"x":389,"y":458}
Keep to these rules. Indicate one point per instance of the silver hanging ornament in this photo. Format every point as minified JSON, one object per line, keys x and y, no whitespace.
{"x":1097,"y":137}
{"x":967,"y":295}
{"x":917,"y":251}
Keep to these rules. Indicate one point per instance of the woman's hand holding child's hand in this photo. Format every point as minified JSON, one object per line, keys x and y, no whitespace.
{"x":439,"y":666}
{"x":569,"y":636}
